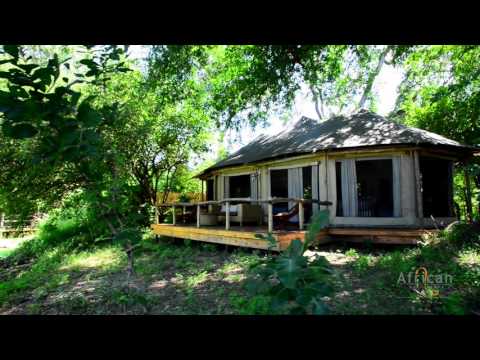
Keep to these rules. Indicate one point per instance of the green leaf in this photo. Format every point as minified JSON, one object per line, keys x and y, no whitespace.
{"x":28,"y":67}
{"x":5,"y":101}
{"x":21,"y":131}
{"x":87,"y":115}
{"x":288,"y":270}
{"x":44,"y":77}
{"x":319,"y":308}
{"x":5,"y":75}
{"x":12,"y":50}
{"x":295,"y":248}
{"x":75,"y":97}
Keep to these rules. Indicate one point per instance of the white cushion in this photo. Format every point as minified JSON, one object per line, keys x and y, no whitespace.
{"x":233,"y":208}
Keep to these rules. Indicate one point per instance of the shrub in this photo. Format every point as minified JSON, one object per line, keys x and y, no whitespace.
{"x":351,"y":253}
{"x":460,"y":234}
{"x":256,"y":305}
{"x":293,"y":283}
{"x":363,"y":263}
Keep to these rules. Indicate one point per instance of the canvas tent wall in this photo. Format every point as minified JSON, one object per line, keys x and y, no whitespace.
{"x":356,"y":143}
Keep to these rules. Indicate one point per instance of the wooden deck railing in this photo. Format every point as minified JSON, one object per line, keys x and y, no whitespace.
{"x":227,"y":202}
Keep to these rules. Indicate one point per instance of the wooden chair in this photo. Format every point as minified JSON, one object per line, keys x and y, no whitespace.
{"x":283,"y":218}
{"x":190,"y":215}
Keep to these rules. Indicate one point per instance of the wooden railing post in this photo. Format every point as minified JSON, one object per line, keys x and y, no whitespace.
{"x":270,"y":217}
{"x":300,"y":215}
{"x":156,"y":216}
{"x":183,"y":214}
{"x":198,"y":216}
{"x":173,"y":215}
{"x":227,"y":216}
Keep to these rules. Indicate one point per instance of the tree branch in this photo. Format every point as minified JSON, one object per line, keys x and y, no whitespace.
{"x":372,"y":76}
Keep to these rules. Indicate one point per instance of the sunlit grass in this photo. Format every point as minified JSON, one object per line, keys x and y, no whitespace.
{"x":195,"y":280}
{"x":469,"y":257}
{"x":8,"y":245}
{"x":101,"y":259}
{"x":5,"y":252}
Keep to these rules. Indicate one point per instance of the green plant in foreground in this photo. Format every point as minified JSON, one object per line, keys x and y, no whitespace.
{"x":294,"y":283}
{"x":351,"y":253}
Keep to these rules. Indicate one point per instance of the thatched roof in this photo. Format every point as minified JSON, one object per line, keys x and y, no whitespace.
{"x":363,"y":129}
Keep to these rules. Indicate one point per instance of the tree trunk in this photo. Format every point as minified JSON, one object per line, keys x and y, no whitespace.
{"x":318,"y":106}
{"x":371,"y":78}
{"x":468,"y":196}
{"x":476,"y":180}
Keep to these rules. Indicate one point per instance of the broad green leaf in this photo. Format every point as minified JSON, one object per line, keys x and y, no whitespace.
{"x":22,"y":131}
{"x":87,"y":115}
{"x":28,"y":67}
{"x":12,"y":50}
{"x":319,"y":308}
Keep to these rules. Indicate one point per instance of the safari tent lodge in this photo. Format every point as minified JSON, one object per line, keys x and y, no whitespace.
{"x":381,"y":181}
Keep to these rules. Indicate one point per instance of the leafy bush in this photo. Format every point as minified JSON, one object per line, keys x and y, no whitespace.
{"x":293,"y":283}
{"x":363,"y":263}
{"x":73,"y":226}
{"x":453,"y":304}
{"x":454,"y":251}
{"x":351,"y":253}
{"x":256,"y":305}
{"x":462,"y":234}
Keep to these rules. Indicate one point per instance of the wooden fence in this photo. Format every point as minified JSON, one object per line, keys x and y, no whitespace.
{"x":12,"y":226}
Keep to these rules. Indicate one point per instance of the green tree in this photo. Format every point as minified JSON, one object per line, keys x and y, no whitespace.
{"x":62,"y":132}
{"x":441,"y":93}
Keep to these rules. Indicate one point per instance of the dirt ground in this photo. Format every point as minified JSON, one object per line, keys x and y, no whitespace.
{"x":179,"y":279}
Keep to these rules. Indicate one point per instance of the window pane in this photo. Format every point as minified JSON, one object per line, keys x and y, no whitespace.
{"x":374,"y":188}
{"x":436,"y":186}
{"x":279,"y":188}
{"x":338,"y":170}
{"x":240,"y":186}
{"x":210,"y":190}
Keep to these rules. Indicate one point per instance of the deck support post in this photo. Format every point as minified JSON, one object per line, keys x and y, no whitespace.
{"x":300,"y":215}
{"x":227,"y":215}
{"x":183,"y":214}
{"x":270,"y":217}
{"x":173,"y":215}
{"x":198,"y":216}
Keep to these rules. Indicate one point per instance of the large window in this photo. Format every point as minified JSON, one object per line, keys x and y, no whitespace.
{"x":210,"y":190}
{"x":374,"y":188}
{"x":367,"y":188}
{"x":239,"y":186}
{"x":293,"y":183}
{"x":437,"y":187}
{"x":279,"y":188}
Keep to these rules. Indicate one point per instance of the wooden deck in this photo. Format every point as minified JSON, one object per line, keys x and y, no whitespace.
{"x":238,"y":236}
{"x":246,"y":236}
